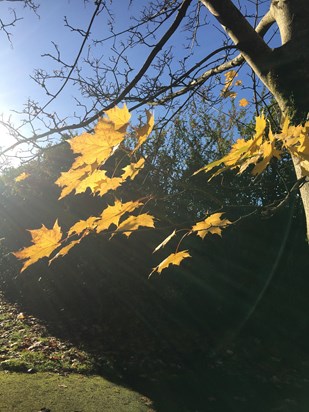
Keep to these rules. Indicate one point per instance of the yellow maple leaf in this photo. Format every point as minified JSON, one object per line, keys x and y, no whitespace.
{"x":172,"y":259}
{"x":144,"y":131}
{"x":82,"y":225}
{"x":93,"y":181}
{"x":296,"y":139}
{"x":113,"y":213}
{"x":71,"y":179}
{"x":133,"y":169}
{"x":110,"y":183}
{"x":212,"y":224}
{"x":44,"y":240}
{"x":209,"y":166}
{"x":243,"y":152}
{"x":267,"y":151}
{"x":243,"y":102}
{"x":64,"y":251}
{"x":237,"y":152}
{"x":229,"y":78}
{"x":260,"y":126}
{"x":96,"y":148}
{"x":165,"y":241}
{"x":120,"y":117}
{"x":22,"y":177}
{"x":132,"y":223}
{"x":304,"y":139}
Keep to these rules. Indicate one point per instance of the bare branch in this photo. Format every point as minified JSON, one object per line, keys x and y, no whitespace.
{"x":151,"y":91}
{"x":85,"y":35}
{"x":249,"y":42}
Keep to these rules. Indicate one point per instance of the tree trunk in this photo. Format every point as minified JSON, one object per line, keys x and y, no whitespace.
{"x":288,"y":77}
{"x":283,"y":70}
{"x":289,"y":74}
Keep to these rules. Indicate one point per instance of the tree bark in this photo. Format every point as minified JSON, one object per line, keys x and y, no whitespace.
{"x":283,"y":70}
{"x":288,"y":77}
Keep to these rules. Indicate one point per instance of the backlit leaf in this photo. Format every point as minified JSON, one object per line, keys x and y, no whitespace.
{"x":110,"y":183}
{"x":133,"y":169}
{"x":93,"y":181}
{"x":165,"y":241}
{"x":212,"y":224}
{"x":71,"y":179}
{"x":144,"y":131}
{"x":120,"y":117}
{"x":229,"y":78}
{"x":295,"y":139}
{"x":244,"y":153}
{"x":82,"y":225}
{"x":44,"y":240}
{"x":113,"y":213}
{"x":64,"y":251}
{"x":97,"y":147}
{"x":132,"y":223}
{"x":267,"y":151}
{"x":172,"y":259}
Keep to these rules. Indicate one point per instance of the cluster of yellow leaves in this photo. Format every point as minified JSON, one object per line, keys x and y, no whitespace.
{"x":257,"y":151}
{"x":228,"y":83}
{"x":93,"y":150}
{"x":87,"y":172}
{"x":263,"y":146}
{"x":213,"y":224}
{"x":46,"y":241}
{"x":296,"y":140}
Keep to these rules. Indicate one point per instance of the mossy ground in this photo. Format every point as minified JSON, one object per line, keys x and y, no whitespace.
{"x":50,"y":392}
{"x":26,"y":345}
{"x":39,"y":372}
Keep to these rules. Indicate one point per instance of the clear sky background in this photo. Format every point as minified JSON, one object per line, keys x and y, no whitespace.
{"x":32,"y":37}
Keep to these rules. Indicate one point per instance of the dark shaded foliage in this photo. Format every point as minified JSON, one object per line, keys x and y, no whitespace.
{"x":248,"y":287}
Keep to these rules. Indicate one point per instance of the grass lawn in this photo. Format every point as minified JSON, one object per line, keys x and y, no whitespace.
{"x":41,"y":372}
{"x":43,"y":391}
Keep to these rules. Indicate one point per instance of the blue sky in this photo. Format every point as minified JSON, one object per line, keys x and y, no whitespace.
{"x":32,"y":37}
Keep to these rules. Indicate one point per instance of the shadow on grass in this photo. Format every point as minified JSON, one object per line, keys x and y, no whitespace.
{"x":179,"y":368}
